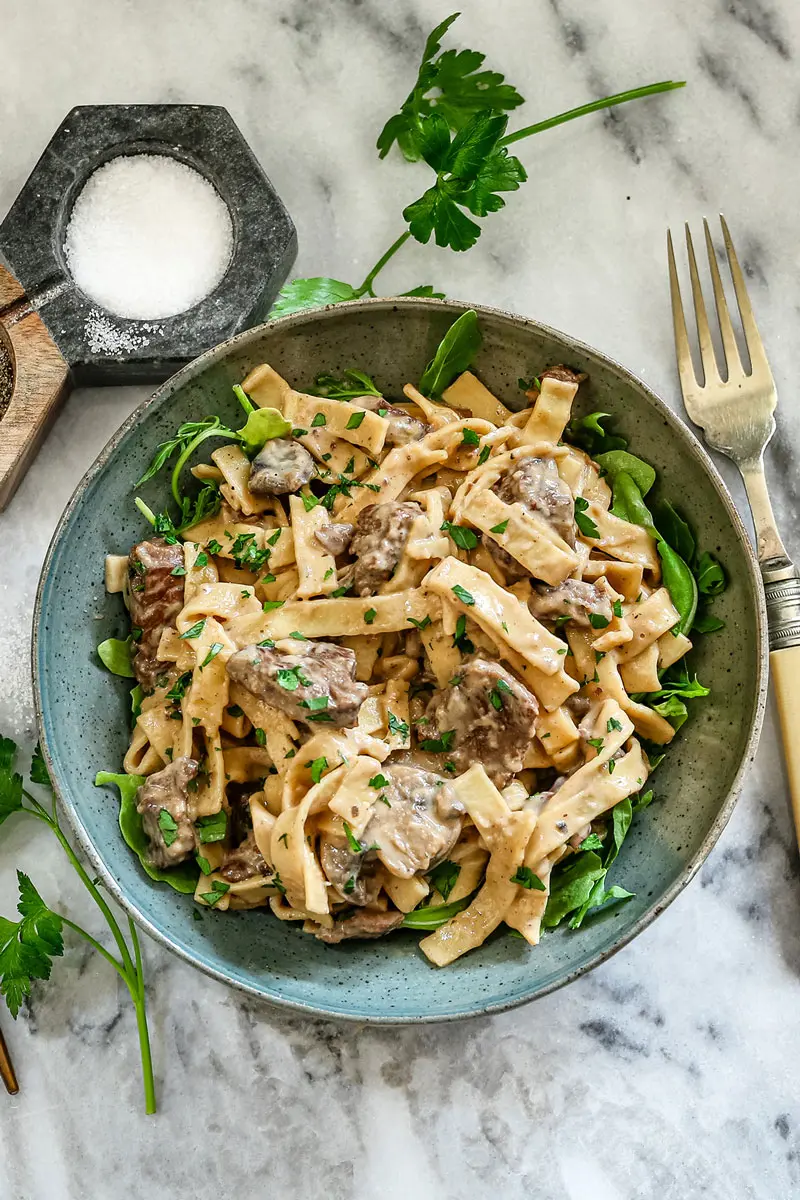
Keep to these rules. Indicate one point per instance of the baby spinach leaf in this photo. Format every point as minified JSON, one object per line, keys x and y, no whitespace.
{"x":115,"y":655}
{"x":432,"y":916}
{"x":182,"y":878}
{"x":628,"y":503}
{"x":572,"y":887}
{"x":706,"y":623}
{"x":455,"y":354}
{"x":672,"y":527}
{"x":590,"y":434}
{"x":615,"y":461}
{"x":680,"y":583}
{"x":710,"y":575}
{"x":261,"y":426}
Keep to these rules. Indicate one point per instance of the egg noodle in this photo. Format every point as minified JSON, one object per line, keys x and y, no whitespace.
{"x":498,"y":668}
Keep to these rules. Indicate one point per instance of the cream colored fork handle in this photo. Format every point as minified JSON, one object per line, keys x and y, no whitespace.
{"x":785,"y":669}
{"x":768,"y":540}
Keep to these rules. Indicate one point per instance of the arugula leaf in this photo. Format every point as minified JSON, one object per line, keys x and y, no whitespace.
{"x":444,"y":876}
{"x":115,"y":655}
{"x":352,"y":385}
{"x":182,"y":878}
{"x":673,"y":710}
{"x":454,"y":354}
{"x":598,"y":898}
{"x":316,"y":292}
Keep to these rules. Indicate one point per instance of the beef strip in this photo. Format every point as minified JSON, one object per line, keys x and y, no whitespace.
{"x":292,"y":675}
{"x":345,"y":869}
{"x":365,"y":924}
{"x":243,"y":862}
{"x":381,"y":534}
{"x":566,"y":374}
{"x":335,"y":537}
{"x":419,"y":825}
{"x":491,"y":716}
{"x":282,"y":465}
{"x":403,"y":428}
{"x":156,"y":598}
{"x":536,"y":484}
{"x":573,"y":598}
{"x":167,"y":792}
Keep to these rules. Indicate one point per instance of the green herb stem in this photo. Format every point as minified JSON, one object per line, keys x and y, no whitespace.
{"x":140,"y":1004}
{"x":651,"y":89}
{"x":366,"y":286}
{"x":185,"y":455}
{"x":93,"y":942}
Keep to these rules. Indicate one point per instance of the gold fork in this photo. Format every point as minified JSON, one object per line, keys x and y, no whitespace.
{"x":736,"y":414}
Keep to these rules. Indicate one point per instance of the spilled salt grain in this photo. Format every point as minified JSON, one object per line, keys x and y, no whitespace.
{"x":148,"y":237}
{"x":103,"y":336}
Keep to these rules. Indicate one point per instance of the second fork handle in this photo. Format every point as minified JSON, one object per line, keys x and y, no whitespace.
{"x":782,"y":591}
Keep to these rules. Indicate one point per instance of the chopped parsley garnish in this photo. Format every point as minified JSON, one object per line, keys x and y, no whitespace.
{"x":596,"y":743}
{"x":352,"y":840}
{"x":178,"y":689}
{"x":337,"y":593}
{"x":484,"y":454}
{"x":423,"y":624}
{"x":273,"y":538}
{"x":213,"y":546}
{"x":470,"y":438}
{"x":178,"y":571}
{"x":269,"y":605}
{"x":201,"y":560}
{"x":317,"y":767}
{"x":290,"y":678}
{"x":285,"y":839}
{"x":384,"y":800}
{"x":355,"y":420}
{"x":443,"y":877}
{"x":501,"y":528}
{"x":463,"y":595}
{"x":465,"y":539}
{"x":260,"y":736}
{"x":213,"y":828}
{"x":584,"y":523}
{"x":319,"y":419}
{"x":218,"y":890}
{"x":439,"y":745}
{"x":525,"y":877}
{"x":195,"y":630}
{"x":328,"y":573}
{"x":598,"y":621}
{"x":397,"y":726}
{"x":351,"y":466}
{"x":617,"y":608}
{"x":463,"y":643}
{"x":168,"y":826}
{"x":316,"y":703}
{"x":378,"y":781}
{"x":350,"y":886}
{"x":213,"y":651}
{"x":298,"y":636}
{"x":203,"y":864}
{"x":612,"y":724}
{"x":309,"y":500}
{"x":299,"y":433}
{"x":370,"y":615}
{"x":268,"y":643}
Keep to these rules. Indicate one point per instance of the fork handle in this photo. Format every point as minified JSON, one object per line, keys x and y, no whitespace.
{"x":782,"y":593}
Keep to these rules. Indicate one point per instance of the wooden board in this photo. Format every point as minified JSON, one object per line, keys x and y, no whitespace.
{"x":41,"y":382}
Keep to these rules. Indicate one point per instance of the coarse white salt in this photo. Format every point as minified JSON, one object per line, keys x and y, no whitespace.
{"x":148,"y":237}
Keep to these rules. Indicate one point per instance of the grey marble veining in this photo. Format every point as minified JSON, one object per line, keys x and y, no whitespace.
{"x":668,"y":1073}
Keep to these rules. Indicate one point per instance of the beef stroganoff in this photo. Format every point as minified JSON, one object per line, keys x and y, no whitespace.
{"x":405,"y":663}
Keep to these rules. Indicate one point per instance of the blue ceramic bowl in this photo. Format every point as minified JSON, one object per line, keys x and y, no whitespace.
{"x":84,"y":713}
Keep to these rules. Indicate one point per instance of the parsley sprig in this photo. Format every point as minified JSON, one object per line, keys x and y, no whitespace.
{"x":28,"y":946}
{"x":455,"y":120}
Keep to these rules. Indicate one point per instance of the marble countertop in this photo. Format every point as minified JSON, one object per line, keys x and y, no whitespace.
{"x":668,"y":1072}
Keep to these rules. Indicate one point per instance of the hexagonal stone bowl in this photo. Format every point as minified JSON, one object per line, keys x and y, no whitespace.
{"x":104,"y":348}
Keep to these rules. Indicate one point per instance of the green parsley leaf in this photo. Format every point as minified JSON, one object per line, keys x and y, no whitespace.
{"x":203,"y":864}
{"x":378,"y":781}
{"x":315,"y":292}
{"x":352,"y":840}
{"x":178,"y":689}
{"x":213,"y":828}
{"x":463,"y":595}
{"x":168,"y":826}
{"x":470,"y":438}
{"x":398,"y":727}
{"x":439,"y":745}
{"x":464,"y":538}
{"x":617,"y":608}
{"x":213,"y":651}
{"x":195,"y":630}
{"x":355,"y":420}
{"x":585,"y":524}
{"x":598,"y":621}
{"x":370,"y":615}
{"x":319,"y":420}
{"x":178,"y":571}
{"x":271,"y":605}
{"x":213,"y":546}
{"x":39,"y":773}
{"x":444,"y":876}
{"x":525,"y":877}
{"x":218,"y":890}
{"x":597,"y":743}
{"x":501,"y":528}
{"x":484,"y":454}
{"x":423,"y":624}
{"x":260,"y":736}
{"x":613,"y":724}
{"x":201,"y":560}
{"x":317,"y":767}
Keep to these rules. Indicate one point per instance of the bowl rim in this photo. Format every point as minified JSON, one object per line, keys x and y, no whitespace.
{"x":399,"y":304}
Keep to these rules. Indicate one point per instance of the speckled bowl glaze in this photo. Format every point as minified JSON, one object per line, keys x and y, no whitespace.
{"x":84,"y":712}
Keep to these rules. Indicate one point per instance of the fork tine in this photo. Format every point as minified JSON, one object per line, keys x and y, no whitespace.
{"x":755,"y":347}
{"x":729,"y":345}
{"x":683,"y":353}
{"x":710,"y":369}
